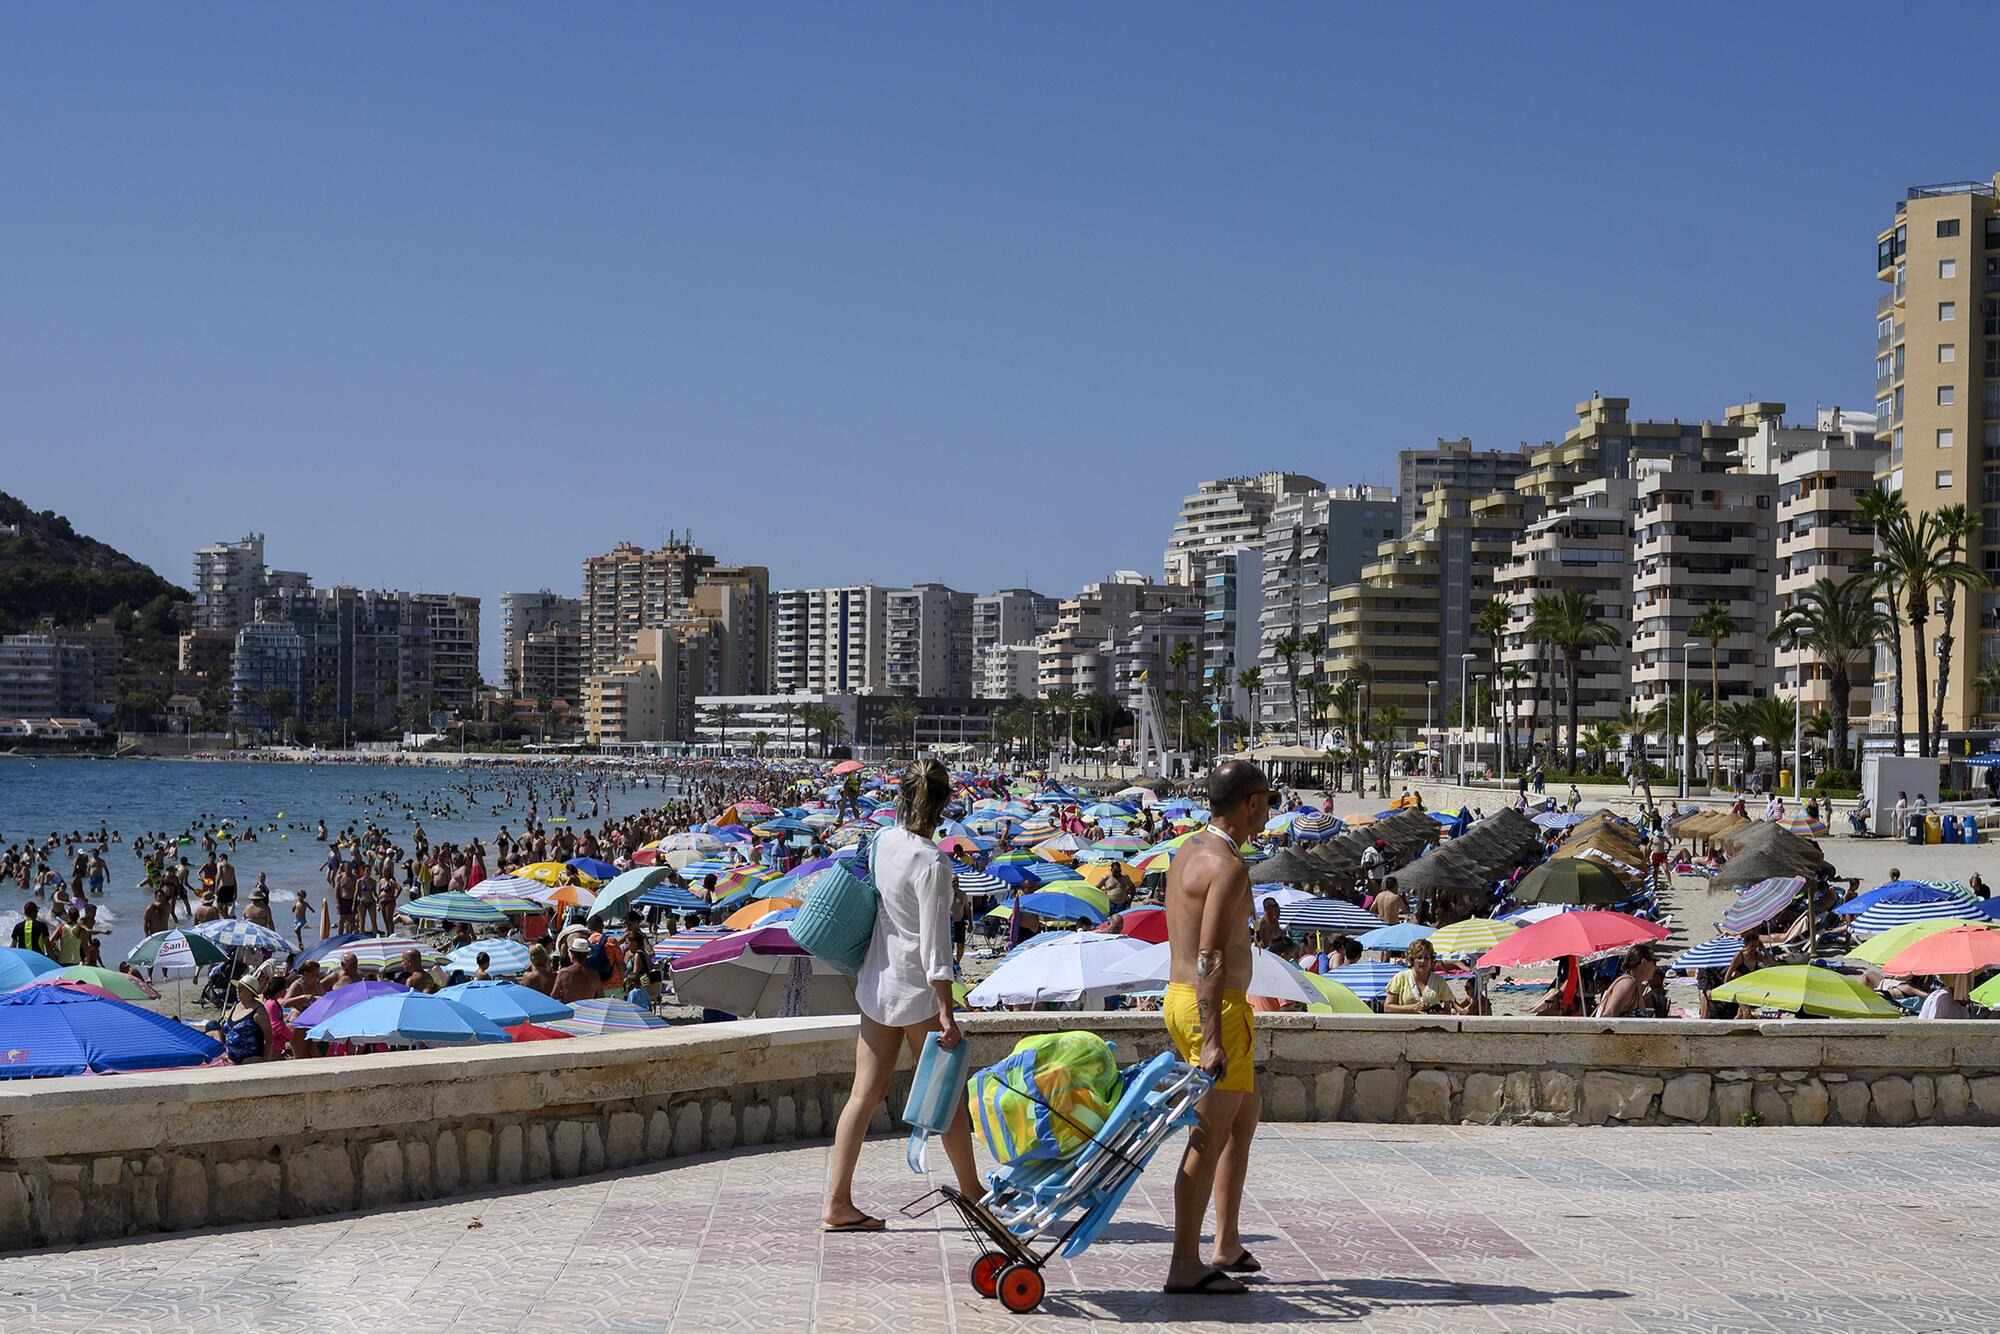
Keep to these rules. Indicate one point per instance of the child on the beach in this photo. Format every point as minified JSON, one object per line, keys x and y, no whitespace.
{"x":299,"y":909}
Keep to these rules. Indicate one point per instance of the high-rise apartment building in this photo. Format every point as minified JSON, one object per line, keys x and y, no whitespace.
{"x":1082,"y":652}
{"x":44,"y":676}
{"x":648,"y":696}
{"x":1819,"y":536}
{"x":451,"y":623}
{"x":629,"y":589}
{"x":1232,"y":589}
{"x":928,"y":650}
{"x":1229,"y":512}
{"x":1454,"y":464}
{"x":229,"y":578}
{"x":1314,"y":542}
{"x":1012,"y":616}
{"x":738,"y":599}
{"x":1002,"y":671}
{"x":379,"y":659}
{"x":830,"y":640}
{"x":521,"y":614}
{"x":1937,"y":409}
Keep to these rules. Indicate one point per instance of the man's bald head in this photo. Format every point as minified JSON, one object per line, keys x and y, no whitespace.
{"x":1233,"y":782}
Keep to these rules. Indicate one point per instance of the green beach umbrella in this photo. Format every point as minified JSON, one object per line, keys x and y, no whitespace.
{"x":1338,"y":999}
{"x":1806,"y":989}
{"x":1571,"y":880}
{"x":175,"y":950}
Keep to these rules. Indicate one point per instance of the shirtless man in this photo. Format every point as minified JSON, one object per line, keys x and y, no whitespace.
{"x":1208,"y":1017}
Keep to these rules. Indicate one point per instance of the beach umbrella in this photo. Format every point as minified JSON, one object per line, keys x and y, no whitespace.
{"x":1716,"y":953}
{"x":1326,"y":915}
{"x":1077,"y":967}
{"x":122,"y":985}
{"x":235,"y":933}
{"x":504,"y":958}
{"x":63,"y":1031}
{"x":588,"y":1018}
{"x":568,"y":896}
{"x":1806,"y":989}
{"x":1560,"y":819}
{"x":546,"y":873}
{"x":686,"y":942}
{"x":1335,"y":997}
{"x":338,"y":999}
{"x":329,"y":948}
{"x":748,"y":915}
{"x":1270,"y":976}
{"x":1905,"y":891}
{"x":1799,"y":824}
{"x":371,"y":952}
{"x":755,"y":808}
{"x":535,"y":1033}
{"x":1109,"y":810}
{"x":615,"y":898}
{"x":598,"y":872}
{"x":1541,"y":912}
{"x":956,"y":843}
{"x":1571,"y":934}
{"x":846,"y":767}
{"x":71,"y":984}
{"x":676,"y":897}
{"x":1316,"y":826}
{"x":761,"y":972}
{"x":691,"y":841}
{"x":169,"y":951}
{"x":408,"y":1019}
{"x":1967,"y":948}
{"x":1398,"y":937}
{"x":1759,"y":903}
{"x":19,"y":967}
{"x":1147,"y":924}
{"x":1473,"y":935}
{"x":1369,"y":981}
{"x":1570,"y":880}
{"x":506,"y":1002}
{"x":1878,"y":949}
{"x":975,"y":883}
{"x":1889,"y":912}
{"x":453,"y":906}
{"x":1060,"y":907}
{"x":507,"y":887}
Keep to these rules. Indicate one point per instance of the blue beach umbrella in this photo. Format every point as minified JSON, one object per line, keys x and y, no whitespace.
{"x":235,"y":933}
{"x":504,"y":958}
{"x":1904,"y":891}
{"x":1898,"y":912}
{"x":453,"y":906}
{"x":57,"y":1031}
{"x":616,"y":897}
{"x":1398,"y":937}
{"x":595,"y":869}
{"x":407,"y":1019}
{"x":672,"y":896}
{"x":1717,"y":953}
{"x":1061,"y":907}
{"x":1369,"y":981}
{"x":20,"y":967}
{"x":506,"y":1003}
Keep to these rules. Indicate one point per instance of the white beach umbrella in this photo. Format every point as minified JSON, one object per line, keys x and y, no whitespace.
{"x":1270,"y":976}
{"x":1075,"y":968}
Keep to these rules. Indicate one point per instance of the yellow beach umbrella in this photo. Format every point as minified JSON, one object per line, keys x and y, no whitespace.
{"x":1806,"y":989}
{"x":1474,"y":935}
{"x":1339,"y":1000}
{"x":549,"y":873}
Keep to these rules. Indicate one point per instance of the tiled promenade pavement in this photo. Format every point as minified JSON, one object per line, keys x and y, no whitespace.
{"x":1361,"y":1228}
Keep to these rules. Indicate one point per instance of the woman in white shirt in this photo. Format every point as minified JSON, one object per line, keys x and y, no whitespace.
{"x":904,"y":986}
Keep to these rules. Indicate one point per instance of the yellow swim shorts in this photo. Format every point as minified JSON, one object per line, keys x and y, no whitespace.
{"x":1238,"y":1024}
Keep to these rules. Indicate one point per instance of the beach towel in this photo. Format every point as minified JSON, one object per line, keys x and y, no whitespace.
{"x":1046,"y":1099}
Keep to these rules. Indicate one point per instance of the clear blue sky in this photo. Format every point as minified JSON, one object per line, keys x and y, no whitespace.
{"x":449,"y":296}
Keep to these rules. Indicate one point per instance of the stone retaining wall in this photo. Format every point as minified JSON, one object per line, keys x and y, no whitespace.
{"x":94,"y":1157}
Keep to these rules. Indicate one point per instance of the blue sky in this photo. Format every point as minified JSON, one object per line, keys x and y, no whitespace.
{"x":449,"y":296}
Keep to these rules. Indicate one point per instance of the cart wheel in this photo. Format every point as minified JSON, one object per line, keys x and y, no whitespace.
{"x":1021,"y":1288}
{"x":986,"y":1273}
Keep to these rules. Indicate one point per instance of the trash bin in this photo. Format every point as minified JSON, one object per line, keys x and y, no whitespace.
{"x":1933,"y":828}
{"x":1913,"y":832}
{"x":1785,"y":780}
{"x":1968,"y":830}
{"x":1949,"y":834}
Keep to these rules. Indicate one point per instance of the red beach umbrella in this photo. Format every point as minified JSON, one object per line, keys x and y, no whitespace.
{"x":1570,"y":935}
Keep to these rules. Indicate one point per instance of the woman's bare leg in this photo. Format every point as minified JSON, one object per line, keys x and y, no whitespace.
{"x":874,"y":1065}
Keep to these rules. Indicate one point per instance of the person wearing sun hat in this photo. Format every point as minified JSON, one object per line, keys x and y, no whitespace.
{"x":246,"y":1024}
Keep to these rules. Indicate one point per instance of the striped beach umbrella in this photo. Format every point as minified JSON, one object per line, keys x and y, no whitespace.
{"x":1369,"y":981}
{"x":1759,"y":903}
{"x":1327,"y":915}
{"x":590,"y":1017}
{"x":1474,"y":935}
{"x":1717,"y":953}
{"x":385,"y":951}
{"x":1806,"y":989}
{"x":453,"y":906}
{"x":687,"y":842}
{"x":1800,"y":824}
{"x":1316,"y":826}
{"x":676,"y":897}
{"x":979,"y":882}
{"x":504,"y":958}
{"x":1891,"y":913}
{"x":673,"y":947}
{"x":1398,"y":937}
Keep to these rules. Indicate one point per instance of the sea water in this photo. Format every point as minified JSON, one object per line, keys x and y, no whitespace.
{"x":149,"y":797}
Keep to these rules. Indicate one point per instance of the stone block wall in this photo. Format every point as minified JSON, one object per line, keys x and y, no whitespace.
{"x":92,"y":1157}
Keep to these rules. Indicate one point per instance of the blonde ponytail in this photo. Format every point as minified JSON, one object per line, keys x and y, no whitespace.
{"x":921,"y":798}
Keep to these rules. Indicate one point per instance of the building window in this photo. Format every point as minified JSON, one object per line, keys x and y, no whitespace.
{"x":1944,"y":438}
{"x":1944,"y":481}
{"x":1947,"y":395}
{"x":1947,"y":311}
{"x":1947,"y":227}
{"x":1947,"y":268}
{"x":1947,"y":353}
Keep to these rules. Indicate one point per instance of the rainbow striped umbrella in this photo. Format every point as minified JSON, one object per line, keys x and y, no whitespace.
{"x":1800,"y":824}
{"x":673,"y":947}
{"x":384,"y":951}
{"x":1760,"y":902}
{"x":591,"y":1017}
{"x":504,"y":958}
{"x":454,"y":906}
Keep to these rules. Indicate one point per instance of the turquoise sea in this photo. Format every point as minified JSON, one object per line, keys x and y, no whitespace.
{"x":40,"y":797}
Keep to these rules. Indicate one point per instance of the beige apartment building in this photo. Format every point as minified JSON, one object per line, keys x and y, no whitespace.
{"x":648,"y":696}
{"x":629,"y":589}
{"x":1586,"y":547}
{"x":1410,"y":615}
{"x":1081,"y":653}
{"x":1937,"y":406}
{"x":1820,"y":537}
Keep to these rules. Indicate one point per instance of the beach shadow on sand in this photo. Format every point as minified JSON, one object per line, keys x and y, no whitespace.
{"x":1317,"y":1300}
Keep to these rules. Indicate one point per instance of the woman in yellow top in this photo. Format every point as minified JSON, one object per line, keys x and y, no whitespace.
{"x":1419,"y":990}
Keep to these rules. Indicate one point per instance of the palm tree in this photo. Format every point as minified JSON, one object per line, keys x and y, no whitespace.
{"x":1600,"y":741}
{"x":719,"y":714}
{"x":1839,"y":623}
{"x":1341,"y":701}
{"x":1959,"y":526}
{"x":1319,"y":703}
{"x":1572,"y":626}
{"x":1065,"y":702}
{"x":1986,"y":682}
{"x":1251,"y":679}
{"x":1913,"y":554}
{"x":902,"y":719}
{"x":1540,"y":612}
{"x":1880,"y":510}
{"x":1774,"y":720}
{"x":1736,"y":727}
{"x":1511,"y":677}
{"x":1635,"y":724}
{"x":1289,"y":647}
{"x":1178,"y":660}
{"x":1387,"y":721}
{"x":759,"y":740}
{"x":1714,"y":624}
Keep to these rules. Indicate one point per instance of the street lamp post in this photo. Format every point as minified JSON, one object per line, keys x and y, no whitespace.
{"x":1429,"y":686}
{"x":1464,"y":706}
{"x":1687,"y":732}
{"x":1798,"y":716}
{"x":1478,"y":679}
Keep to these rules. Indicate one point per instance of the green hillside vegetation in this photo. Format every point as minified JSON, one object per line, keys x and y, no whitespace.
{"x":53,"y":570}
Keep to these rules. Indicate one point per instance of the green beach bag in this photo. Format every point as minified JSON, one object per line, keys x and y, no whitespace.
{"x":837,"y":919}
